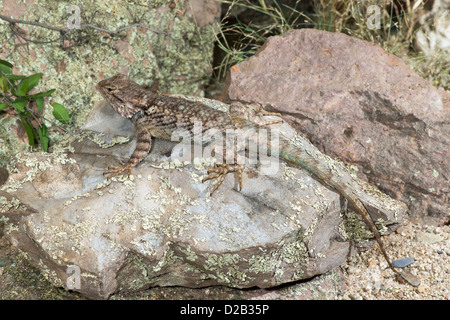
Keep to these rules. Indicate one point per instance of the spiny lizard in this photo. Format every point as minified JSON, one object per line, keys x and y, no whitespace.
{"x":157,"y":115}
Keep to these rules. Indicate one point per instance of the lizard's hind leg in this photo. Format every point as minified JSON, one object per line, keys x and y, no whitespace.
{"x":221,"y":172}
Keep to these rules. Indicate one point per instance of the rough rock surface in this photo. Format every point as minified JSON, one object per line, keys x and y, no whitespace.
{"x":160,"y":227}
{"x":359,"y":104}
{"x":176,"y":47}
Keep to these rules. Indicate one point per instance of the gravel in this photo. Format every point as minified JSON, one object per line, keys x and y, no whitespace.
{"x":369,"y":278}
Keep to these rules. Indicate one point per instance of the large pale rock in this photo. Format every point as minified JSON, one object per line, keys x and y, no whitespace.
{"x":160,"y":227}
{"x":359,"y":104}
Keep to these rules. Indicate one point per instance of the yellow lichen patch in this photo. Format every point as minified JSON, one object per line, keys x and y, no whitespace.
{"x":78,"y":196}
{"x":25,"y":167}
{"x":290,"y":174}
{"x":354,"y":228}
{"x":50,"y":275}
{"x":6,"y":205}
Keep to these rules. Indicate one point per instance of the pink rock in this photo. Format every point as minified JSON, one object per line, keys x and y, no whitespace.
{"x":358,"y":103}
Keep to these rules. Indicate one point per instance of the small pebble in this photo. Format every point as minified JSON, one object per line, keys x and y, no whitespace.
{"x":400,"y":230}
{"x":422,"y":288}
{"x":373,"y":263}
{"x":428,"y":238}
{"x":401,"y":263}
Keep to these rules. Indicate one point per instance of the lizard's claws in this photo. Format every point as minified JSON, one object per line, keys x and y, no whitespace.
{"x":255,"y":113}
{"x":116,"y":170}
{"x":259,"y":111}
{"x":262,"y":112}
{"x":221,"y":172}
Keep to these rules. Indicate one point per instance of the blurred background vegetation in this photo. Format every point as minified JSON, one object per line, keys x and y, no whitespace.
{"x":407,"y":29}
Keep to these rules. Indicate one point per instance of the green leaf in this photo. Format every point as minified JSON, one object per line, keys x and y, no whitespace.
{"x":14,"y":77}
{"x":4,"y":106}
{"x":29,"y":130}
{"x":40,"y":104}
{"x":4,"y":85}
{"x":6,"y":63}
{"x":27,"y":84}
{"x":20,"y":103}
{"x":5,"y":66}
{"x":43,"y":136}
{"x":43,"y":94}
{"x":60,"y":113}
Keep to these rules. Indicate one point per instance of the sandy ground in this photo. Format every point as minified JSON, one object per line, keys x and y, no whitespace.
{"x":367,"y":275}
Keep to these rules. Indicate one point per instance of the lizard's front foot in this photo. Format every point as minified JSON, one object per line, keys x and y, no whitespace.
{"x":116,"y":170}
{"x":260,"y":112}
{"x":254,"y":112}
{"x":221,"y":172}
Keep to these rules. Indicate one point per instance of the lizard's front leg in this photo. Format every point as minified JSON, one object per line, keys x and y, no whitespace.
{"x":253,"y":112}
{"x":143,"y":145}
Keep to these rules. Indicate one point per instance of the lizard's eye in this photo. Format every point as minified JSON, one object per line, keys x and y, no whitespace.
{"x":110,"y":89}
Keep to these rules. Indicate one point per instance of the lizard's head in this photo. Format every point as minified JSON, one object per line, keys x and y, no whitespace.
{"x":124,"y":96}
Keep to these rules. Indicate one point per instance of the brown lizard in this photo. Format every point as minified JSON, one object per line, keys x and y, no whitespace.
{"x":157,"y":115}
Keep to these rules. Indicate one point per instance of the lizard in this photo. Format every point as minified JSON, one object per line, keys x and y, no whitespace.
{"x":158,"y":115}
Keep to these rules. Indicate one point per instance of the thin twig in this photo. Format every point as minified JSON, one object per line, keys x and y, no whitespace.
{"x":38,"y":116}
{"x":6,"y":96}
{"x":29,"y":40}
{"x":3,"y":74}
{"x":37,"y":24}
{"x":85,"y":26}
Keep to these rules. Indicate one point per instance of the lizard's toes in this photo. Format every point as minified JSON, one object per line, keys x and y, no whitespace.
{"x":211,"y":176}
{"x":215,"y":170}
{"x":116,"y":170}
{"x":220,"y":173}
{"x":111,"y":168}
